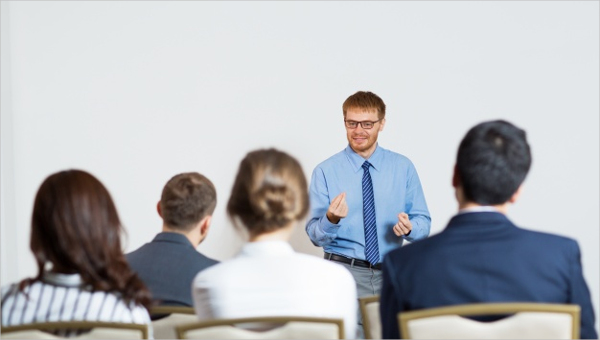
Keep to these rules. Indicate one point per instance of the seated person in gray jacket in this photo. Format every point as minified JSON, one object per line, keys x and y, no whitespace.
{"x":169,"y":263}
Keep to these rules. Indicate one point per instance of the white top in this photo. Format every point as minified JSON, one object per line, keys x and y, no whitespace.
{"x":269,"y":279}
{"x":62,"y":297}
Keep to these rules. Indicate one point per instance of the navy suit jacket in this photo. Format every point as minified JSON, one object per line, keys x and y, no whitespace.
{"x":483,"y":257}
{"x":168,"y":265}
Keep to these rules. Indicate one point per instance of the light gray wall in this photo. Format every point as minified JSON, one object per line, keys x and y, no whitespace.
{"x":135,"y":92}
{"x":8,"y":228}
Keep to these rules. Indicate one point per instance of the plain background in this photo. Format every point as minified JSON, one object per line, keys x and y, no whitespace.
{"x":136,"y":92}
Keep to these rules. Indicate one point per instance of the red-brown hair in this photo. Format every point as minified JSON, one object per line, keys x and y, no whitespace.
{"x":75,"y":226}
{"x":366,"y":101}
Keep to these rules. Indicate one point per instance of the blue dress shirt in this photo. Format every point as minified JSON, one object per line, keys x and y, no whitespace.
{"x":396,"y":187}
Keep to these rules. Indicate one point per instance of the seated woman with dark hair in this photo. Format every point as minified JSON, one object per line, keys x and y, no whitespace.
{"x":82,"y":272}
{"x":267,"y":278}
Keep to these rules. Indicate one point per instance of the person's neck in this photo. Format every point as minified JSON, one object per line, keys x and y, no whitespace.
{"x":282,"y":234}
{"x":367,"y":153}
{"x":502,"y":208}
{"x":58,"y":269}
{"x":193,"y":237}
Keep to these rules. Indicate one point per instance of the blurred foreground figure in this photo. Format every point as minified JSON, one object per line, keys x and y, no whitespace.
{"x":482,"y":256}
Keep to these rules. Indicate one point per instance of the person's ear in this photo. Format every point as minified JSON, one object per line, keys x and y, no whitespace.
{"x":205,"y":226}
{"x":158,"y":209}
{"x":381,"y":124}
{"x":455,"y":177}
{"x":516,"y":195}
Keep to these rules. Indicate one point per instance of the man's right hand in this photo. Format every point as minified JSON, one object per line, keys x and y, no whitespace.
{"x":338,"y":209}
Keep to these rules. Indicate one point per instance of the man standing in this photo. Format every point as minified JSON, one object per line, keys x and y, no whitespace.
{"x":482,"y":256}
{"x":365,"y":200}
{"x":169,"y":263}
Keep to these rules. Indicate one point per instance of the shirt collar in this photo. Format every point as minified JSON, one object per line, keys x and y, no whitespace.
{"x":482,"y":208}
{"x":67,"y":280}
{"x":357,"y":161}
{"x":266,"y":248}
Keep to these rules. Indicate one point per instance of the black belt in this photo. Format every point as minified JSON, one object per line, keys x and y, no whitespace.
{"x":352,"y":262}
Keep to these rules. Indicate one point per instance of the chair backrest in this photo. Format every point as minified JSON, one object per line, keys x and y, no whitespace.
{"x":99,"y":330}
{"x":280,"y":327}
{"x":369,"y":309}
{"x":164,"y":328}
{"x":527,"y":321}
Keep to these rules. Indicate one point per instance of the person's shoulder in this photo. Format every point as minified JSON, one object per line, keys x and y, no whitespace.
{"x":548,"y":239}
{"x":223,"y":271}
{"x":9,"y":289}
{"x":394,"y":156}
{"x":332,"y":161}
{"x":204,"y":260}
{"x":143,"y":256}
{"x":324,"y":266}
{"x":139,"y":313}
{"x":142,"y":251}
{"x":135,"y":253}
{"x":311,"y":259}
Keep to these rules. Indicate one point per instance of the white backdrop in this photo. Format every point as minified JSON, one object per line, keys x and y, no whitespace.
{"x":135,"y":92}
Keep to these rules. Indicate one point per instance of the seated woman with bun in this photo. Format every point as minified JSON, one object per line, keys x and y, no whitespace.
{"x":82,"y":272}
{"x":267,"y":278}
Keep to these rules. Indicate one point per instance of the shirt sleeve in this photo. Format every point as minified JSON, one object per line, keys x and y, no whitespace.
{"x":580,"y":295}
{"x":416,"y":208}
{"x":319,"y":229}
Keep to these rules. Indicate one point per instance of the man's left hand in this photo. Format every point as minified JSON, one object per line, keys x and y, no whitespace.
{"x":403,"y":227}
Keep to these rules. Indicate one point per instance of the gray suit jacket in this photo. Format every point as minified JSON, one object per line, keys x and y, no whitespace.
{"x":168,"y":265}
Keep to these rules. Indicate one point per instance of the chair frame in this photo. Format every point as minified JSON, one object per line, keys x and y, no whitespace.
{"x":181,"y":330}
{"x":491,"y":309}
{"x":165,"y":318}
{"x":363,"y":302}
{"x":56,"y":325}
{"x":156,"y":310}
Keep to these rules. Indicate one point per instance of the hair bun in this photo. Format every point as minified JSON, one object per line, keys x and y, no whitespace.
{"x":274,"y":203}
{"x":269,"y":192}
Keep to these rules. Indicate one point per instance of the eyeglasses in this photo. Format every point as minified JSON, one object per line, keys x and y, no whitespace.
{"x":352,"y":124}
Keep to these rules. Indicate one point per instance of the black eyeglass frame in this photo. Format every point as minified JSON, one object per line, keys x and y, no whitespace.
{"x":347,"y":122}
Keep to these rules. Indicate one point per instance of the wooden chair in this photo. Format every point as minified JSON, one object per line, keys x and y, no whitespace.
{"x":173,"y":316}
{"x":99,"y":330}
{"x":526,"y":321}
{"x":279,"y":327}
{"x":369,"y":309}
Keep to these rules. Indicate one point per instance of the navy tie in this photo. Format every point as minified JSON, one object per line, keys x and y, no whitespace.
{"x":371,"y":244}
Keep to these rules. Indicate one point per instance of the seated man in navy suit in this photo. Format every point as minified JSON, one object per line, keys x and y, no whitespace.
{"x":482,"y":256}
{"x":169,"y":263}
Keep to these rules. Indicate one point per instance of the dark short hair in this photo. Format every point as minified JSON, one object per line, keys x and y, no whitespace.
{"x":75,"y":226}
{"x":492,"y":162}
{"x":365,"y":100}
{"x":186,"y":199}
{"x":269,"y":192}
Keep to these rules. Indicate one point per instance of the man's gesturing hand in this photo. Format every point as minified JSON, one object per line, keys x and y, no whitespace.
{"x":403,"y":227}
{"x":338,"y":209}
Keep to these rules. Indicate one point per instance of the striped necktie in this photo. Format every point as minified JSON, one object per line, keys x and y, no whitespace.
{"x":371,"y":245}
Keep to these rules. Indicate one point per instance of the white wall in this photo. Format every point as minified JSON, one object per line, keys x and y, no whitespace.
{"x":135,"y":92}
